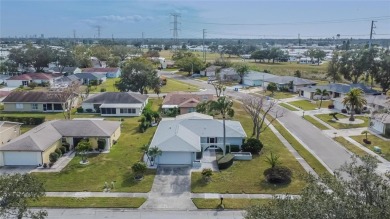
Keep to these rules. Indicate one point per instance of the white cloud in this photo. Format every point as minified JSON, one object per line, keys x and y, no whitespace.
{"x":118,"y":18}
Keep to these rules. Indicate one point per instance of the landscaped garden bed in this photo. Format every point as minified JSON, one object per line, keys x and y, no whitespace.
{"x":338,"y":125}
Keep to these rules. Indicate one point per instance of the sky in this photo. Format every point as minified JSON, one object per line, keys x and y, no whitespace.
{"x":220,"y":18}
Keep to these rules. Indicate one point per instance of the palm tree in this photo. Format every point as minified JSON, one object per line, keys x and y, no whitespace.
{"x":355,"y":99}
{"x":322,"y":93}
{"x":154,"y":152}
{"x":224,"y":106}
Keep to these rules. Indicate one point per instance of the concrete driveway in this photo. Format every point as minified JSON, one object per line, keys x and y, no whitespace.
{"x":16,"y":169}
{"x":171,"y":190}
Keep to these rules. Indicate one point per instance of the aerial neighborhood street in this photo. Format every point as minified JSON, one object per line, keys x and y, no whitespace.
{"x":233,"y":124}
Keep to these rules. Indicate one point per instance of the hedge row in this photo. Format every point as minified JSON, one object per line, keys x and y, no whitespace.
{"x":36,"y":120}
{"x":225,"y":162}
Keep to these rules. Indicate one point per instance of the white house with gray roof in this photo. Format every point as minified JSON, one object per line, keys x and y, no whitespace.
{"x":183,"y":139}
{"x":116,"y":104}
{"x":254,"y":78}
{"x":34,"y":147}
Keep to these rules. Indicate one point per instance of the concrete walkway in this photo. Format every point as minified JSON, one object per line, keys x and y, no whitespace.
{"x":59,"y":164}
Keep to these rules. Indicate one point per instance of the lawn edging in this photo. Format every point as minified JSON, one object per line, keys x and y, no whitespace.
{"x":87,"y":202}
{"x":228,"y":203}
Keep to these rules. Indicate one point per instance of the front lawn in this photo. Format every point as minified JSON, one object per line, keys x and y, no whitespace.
{"x":329,"y":119}
{"x":375,"y":141}
{"x":285,"y":105}
{"x":247,"y":176}
{"x":351,"y":147}
{"x":90,"y":202}
{"x":228,"y":203}
{"x":278,"y":94}
{"x":316,"y":123}
{"x":310,"y":105}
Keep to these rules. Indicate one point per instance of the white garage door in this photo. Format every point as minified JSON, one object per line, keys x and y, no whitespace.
{"x":21,"y":158}
{"x":175,"y":158}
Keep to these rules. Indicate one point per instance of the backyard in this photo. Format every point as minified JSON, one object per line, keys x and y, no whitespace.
{"x":310,"y":105}
{"x":247,"y":176}
{"x":114,"y":166}
{"x":330,"y":120}
{"x":375,"y":141}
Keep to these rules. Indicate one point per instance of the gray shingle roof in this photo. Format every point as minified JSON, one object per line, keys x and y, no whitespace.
{"x":66,"y":69}
{"x":90,"y":76}
{"x":45,"y":135}
{"x":117,"y":97}
{"x":34,"y":97}
{"x":288,"y":79}
{"x":254,"y":75}
{"x":342,"y":88}
{"x":183,"y":133}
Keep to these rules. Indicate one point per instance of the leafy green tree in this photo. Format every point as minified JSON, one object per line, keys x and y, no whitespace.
{"x":113,"y":61}
{"x":242,"y":70}
{"x":275,"y":54}
{"x":152,"y":53}
{"x":272,"y":87}
{"x":66,"y":59}
{"x":355,"y":99}
{"x":16,"y":191}
{"x":224,"y":106}
{"x":360,"y":192}
{"x":30,"y":55}
{"x":203,"y":107}
{"x":252,"y":145}
{"x":82,"y":56}
{"x":316,"y":54}
{"x":139,"y":169}
{"x":334,"y":68}
{"x":82,"y":148}
{"x":177,"y":55}
{"x":100,"y":52}
{"x":353,"y":65}
{"x":383,"y":75}
{"x":190,"y":64}
{"x":322,"y":94}
{"x":298,"y":74}
{"x":120,"y":51}
{"x":138,"y":75}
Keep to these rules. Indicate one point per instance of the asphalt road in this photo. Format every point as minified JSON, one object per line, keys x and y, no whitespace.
{"x":88,"y":213}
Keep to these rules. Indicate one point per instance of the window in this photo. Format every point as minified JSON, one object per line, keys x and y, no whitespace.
{"x":19,"y":106}
{"x":127,"y":111}
{"x":57,"y":106}
{"x":24,"y":83}
{"x":34,"y":106}
{"x":108,"y":110}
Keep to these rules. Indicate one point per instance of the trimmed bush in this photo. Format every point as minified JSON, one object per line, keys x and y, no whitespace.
{"x":225,"y":161}
{"x":45,"y":165}
{"x":330,"y":106}
{"x":80,"y":109}
{"x":366,"y":141}
{"x":35,"y":120}
{"x":66,"y":145}
{"x":63,"y":149}
{"x":252,"y":145}
{"x":206,"y":174}
{"x":234,"y":148}
{"x":102,"y":89}
{"x":344,"y":111}
{"x":53,"y":157}
{"x":101,"y":144}
{"x":278,"y":175}
{"x":58,"y":151}
{"x":88,"y":110}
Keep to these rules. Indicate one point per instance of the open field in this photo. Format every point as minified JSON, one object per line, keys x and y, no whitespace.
{"x":375,"y":141}
{"x":309,"y":105}
{"x":114,"y":166}
{"x":329,"y":119}
{"x":247,"y":176}
{"x":90,"y":202}
{"x":228,"y":203}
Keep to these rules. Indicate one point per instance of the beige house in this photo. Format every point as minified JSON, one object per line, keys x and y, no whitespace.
{"x":35,"y":101}
{"x":34,"y":147}
{"x":9,"y":131}
{"x":184,"y":102}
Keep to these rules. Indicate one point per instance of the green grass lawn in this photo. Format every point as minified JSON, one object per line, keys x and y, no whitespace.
{"x":287,"y":106}
{"x":90,"y":202}
{"x":351,"y":147}
{"x":329,"y":119}
{"x":25,"y":128}
{"x":308,"y":105}
{"x":228,"y":203}
{"x":375,"y":141}
{"x":247,"y":176}
{"x":278,"y":94}
{"x":305,"y":154}
{"x":316,"y":123}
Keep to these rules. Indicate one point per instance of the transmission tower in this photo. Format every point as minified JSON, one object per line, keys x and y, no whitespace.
{"x":371,"y":33}
{"x":98,"y":28}
{"x":175,"y":23}
{"x":204,"y":51}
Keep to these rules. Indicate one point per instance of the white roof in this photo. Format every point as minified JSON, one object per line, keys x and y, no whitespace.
{"x":121,"y":105}
{"x":169,"y":106}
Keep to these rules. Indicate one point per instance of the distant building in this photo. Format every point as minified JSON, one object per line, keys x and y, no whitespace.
{"x":107,"y":72}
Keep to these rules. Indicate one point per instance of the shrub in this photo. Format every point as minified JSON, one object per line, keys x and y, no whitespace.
{"x":102,"y":89}
{"x":225,"y":161}
{"x":366,"y":141}
{"x":252,"y":145}
{"x":1,"y":106}
{"x":101,"y":144}
{"x":32,"y":85}
{"x":66,"y":145}
{"x":58,"y":151}
{"x":206,"y":174}
{"x":344,"y":111}
{"x":80,"y":109}
{"x":53,"y":157}
{"x":88,"y":110}
{"x":35,"y":120}
{"x":278,"y":174}
{"x":330,"y":106}
{"x":139,"y":169}
{"x":63,"y":149}
{"x":234,"y":148}
{"x":51,"y":164}
{"x":44,"y":165}
{"x":358,"y":111}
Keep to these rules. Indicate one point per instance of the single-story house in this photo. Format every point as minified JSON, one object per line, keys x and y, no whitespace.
{"x":65,"y":70}
{"x":26,"y":79}
{"x":254,"y":78}
{"x":378,"y":103}
{"x":116,"y":104}
{"x":35,"y":101}
{"x":34,"y":147}
{"x":9,"y":131}
{"x":291,"y":83}
{"x":210,"y":71}
{"x":107,"y":72}
{"x":228,"y":74}
{"x":184,"y":102}
{"x":380,"y":123}
{"x":183,"y":139}
{"x":335,"y":90}
{"x":87,"y":78}
{"x":3,"y":78}
{"x":65,"y":81}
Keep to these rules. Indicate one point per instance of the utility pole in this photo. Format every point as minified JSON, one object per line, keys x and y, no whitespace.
{"x":204,"y":51}
{"x":142,"y":38}
{"x":299,"y":39}
{"x":74,"y":36}
{"x":98,"y":27}
{"x":175,"y":26}
{"x":371,"y":32}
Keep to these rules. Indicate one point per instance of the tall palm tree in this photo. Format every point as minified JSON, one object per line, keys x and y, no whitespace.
{"x":322,"y":93}
{"x":355,"y":99}
{"x":154,"y":152}
{"x":224,"y":106}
